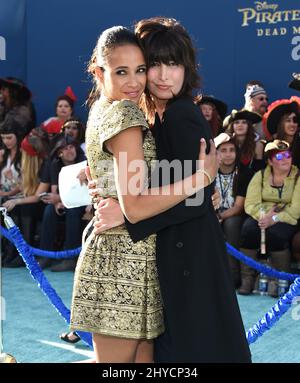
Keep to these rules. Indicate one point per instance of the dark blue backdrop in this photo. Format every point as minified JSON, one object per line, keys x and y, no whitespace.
{"x":47,"y":43}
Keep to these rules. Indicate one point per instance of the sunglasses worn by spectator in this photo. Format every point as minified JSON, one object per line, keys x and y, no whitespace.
{"x":280,"y":156}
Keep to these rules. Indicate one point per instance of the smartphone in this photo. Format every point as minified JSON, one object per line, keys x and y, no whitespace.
{"x":43,"y":195}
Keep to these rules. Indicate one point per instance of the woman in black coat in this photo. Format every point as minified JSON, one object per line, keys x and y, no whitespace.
{"x":202,"y":317}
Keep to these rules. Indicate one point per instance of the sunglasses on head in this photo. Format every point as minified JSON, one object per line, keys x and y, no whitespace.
{"x":280,"y":156}
{"x":263,"y":99}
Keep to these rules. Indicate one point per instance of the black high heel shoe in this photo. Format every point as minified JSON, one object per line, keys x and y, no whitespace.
{"x":70,"y":337}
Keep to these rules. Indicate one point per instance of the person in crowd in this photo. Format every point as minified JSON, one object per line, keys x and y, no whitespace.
{"x":213,"y":110}
{"x":256,"y":100}
{"x":186,"y":236}
{"x":28,"y":206}
{"x":10,"y":176}
{"x":239,"y":124}
{"x":75,"y":128}
{"x":295,"y":83}
{"x":282,"y":121}
{"x":232,"y":182}
{"x":17,"y":105}
{"x":10,"y":160}
{"x":64,"y":109}
{"x":64,"y":153}
{"x":273,"y":204}
{"x":124,"y":327}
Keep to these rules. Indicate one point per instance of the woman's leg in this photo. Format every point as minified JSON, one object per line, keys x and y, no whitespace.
{"x":232,"y":229}
{"x":109,"y":349}
{"x":144,"y":353}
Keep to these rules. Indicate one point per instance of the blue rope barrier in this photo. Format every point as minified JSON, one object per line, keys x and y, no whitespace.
{"x":45,"y":253}
{"x":267,"y":270}
{"x":37,"y":274}
{"x":274,"y":314}
{"x":56,"y":254}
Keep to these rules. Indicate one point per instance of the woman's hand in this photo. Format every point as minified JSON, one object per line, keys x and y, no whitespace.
{"x":51,"y":198}
{"x":82,"y":177}
{"x":108,"y":214}
{"x":216,"y":199}
{"x":92,"y":186}
{"x":267,"y":221}
{"x":208,"y":162}
{"x":10,"y":204}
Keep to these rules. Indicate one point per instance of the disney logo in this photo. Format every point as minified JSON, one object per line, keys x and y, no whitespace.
{"x":262,"y":6}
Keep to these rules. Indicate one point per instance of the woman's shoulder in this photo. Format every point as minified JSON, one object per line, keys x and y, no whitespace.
{"x":107,"y":109}
{"x":124,"y":112}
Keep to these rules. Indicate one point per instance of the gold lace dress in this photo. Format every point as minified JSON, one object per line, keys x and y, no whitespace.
{"x":116,"y":290}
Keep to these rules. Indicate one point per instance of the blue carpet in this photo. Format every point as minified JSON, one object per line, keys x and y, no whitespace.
{"x":32,"y":326}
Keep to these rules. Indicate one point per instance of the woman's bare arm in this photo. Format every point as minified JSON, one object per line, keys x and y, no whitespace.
{"x":138,"y":204}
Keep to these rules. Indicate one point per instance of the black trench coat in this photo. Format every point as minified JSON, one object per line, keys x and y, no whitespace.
{"x":202,"y":317}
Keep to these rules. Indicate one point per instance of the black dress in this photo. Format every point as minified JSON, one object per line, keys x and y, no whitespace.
{"x":202,"y":317}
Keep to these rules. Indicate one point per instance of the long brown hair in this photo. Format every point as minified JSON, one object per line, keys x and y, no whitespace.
{"x":280,"y":134}
{"x":216,"y":121}
{"x":247,"y":149}
{"x":30,"y":166}
{"x":164,"y":40}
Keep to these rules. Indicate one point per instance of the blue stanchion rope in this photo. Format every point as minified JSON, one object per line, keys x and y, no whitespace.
{"x":45,"y":253}
{"x":43,"y":283}
{"x":267,"y":270}
{"x":274,"y":314}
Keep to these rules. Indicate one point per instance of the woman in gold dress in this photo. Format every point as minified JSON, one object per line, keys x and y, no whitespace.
{"x":116,"y":292}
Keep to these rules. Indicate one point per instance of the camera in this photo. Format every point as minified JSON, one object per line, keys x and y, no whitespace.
{"x":61,"y":211}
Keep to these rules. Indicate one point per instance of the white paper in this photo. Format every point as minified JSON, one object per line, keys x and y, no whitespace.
{"x":73,"y":194}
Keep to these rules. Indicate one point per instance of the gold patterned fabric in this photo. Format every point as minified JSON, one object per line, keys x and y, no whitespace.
{"x":116,"y":290}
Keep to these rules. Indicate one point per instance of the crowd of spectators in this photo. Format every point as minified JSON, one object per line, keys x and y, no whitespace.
{"x":258,"y":181}
{"x":31,"y":158}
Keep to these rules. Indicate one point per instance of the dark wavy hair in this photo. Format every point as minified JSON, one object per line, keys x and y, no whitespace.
{"x":163,"y":40}
{"x":216,"y":121}
{"x":246,"y":151}
{"x":12,"y":127}
{"x":80,"y":126}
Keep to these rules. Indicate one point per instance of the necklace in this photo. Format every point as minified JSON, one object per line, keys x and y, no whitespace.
{"x":225,"y":186}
